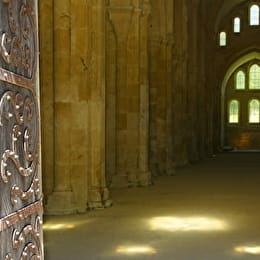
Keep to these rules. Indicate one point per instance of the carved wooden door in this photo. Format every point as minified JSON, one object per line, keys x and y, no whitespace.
{"x":20,"y":175}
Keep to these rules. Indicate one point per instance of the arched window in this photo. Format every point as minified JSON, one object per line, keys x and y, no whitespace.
{"x":254,"y":15}
{"x":233,"y":112}
{"x":240,"y":80}
{"x":254,"y":111}
{"x":254,"y":77}
{"x":237,"y":25}
{"x":222,"y":39}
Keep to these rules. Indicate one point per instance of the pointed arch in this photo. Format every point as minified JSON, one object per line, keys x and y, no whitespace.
{"x":225,"y":9}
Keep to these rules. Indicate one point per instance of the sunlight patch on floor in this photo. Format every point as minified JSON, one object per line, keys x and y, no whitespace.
{"x":58,"y":226}
{"x":184,"y":224}
{"x":135,"y":250}
{"x":253,"y":250}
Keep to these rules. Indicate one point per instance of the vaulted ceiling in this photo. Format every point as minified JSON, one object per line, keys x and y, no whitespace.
{"x":218,"y":9}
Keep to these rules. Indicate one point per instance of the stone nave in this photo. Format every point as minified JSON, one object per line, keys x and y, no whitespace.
{"x":150,"y":127}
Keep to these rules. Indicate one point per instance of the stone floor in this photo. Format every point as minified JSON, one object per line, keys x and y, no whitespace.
{"x":208,"y":211}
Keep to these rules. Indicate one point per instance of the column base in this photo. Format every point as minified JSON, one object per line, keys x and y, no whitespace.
{"x":182,"y":163}
{"x":60,"y":203}
{"x":144,"y":179}
{"x":133,"y":179}
{"x":99,"y":199}
{"x":170,"y":171}
{"x":119,"y":181}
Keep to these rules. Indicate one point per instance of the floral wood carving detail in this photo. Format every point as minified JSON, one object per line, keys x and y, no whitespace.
{"x":20,"y":113}
{"x":17,"y":41}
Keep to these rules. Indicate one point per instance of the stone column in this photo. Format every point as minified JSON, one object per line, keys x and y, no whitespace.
{"x":120,"y":18}
{"x":111,"y":64}
{"x":193,"y":71}
{"x":144,"y":176}
{"x":170,"y":158}
{"x":130,"y":27}
{"x":79,"y":85}
{"x":162,"y":92}
{"x":202,"y":86}
{"x":60,"y":201}
{"x":180,"y":79}
{"x":157,"y":88}
{"x":98,"y":192}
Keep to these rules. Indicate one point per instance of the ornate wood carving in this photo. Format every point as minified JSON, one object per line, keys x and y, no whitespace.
{"x":20,"y":185}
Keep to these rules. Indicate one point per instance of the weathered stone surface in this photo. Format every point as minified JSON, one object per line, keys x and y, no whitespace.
{"x":127,"y":93}
{"x":123,"y":96}
{"x":73,"y":95}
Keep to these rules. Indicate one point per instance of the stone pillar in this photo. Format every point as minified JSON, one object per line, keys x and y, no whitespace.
{"x":131,"y":98}
{"x":79,"y":85}
{"x":202,"y":86}
{"x":193,"y":71}
{"x":162,"y":92}
{"x":170,"y":157}
{"x":180,"y":78}
{"x":144,"y":177}
{"x":111,"y":64}
{"x":120,"y":19}
{"x":158,"y":87}
{"x":60,"y":201}
{"x":98,"y":192}
{"x":79,"y":110}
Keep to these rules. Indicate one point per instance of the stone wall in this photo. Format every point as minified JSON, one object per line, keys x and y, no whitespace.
{"x":220,"y":59}
{"x":180,"y":132}
{"x":123,"y":92}
{"x":73,"y":104}
{"x":161,"y":85}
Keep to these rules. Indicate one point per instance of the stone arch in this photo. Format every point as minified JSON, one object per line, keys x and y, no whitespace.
{"x":239,"y":62}
{"x":226,"y":8}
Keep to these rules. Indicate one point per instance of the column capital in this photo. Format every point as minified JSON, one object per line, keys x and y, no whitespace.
{"x":146,"y":7}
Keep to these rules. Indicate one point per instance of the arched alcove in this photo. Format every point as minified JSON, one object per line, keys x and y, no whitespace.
{"x":235,"y":67}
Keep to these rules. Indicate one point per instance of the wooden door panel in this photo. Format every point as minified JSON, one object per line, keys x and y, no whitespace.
{"x":20,"y":174}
